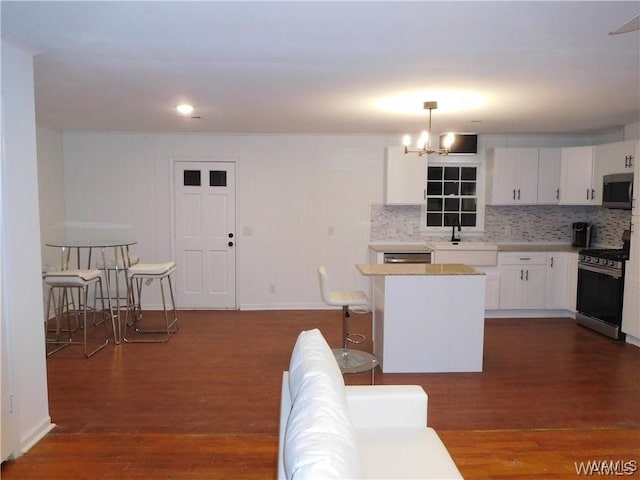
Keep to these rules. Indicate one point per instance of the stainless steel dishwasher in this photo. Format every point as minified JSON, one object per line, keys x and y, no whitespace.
{"x":407,"y":257}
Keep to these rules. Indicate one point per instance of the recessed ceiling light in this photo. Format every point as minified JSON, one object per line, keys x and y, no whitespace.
{"x":185,"y":109}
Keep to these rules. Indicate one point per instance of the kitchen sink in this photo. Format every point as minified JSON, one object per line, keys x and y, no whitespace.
{"x":462,"y":245}
{"x":468,"y":253}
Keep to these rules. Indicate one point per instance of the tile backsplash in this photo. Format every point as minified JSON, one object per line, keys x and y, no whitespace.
{"x":507,"y":224}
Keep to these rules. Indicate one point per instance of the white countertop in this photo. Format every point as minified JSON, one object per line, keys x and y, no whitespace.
{"x":502,"y":247}
{"x":372,"y":269}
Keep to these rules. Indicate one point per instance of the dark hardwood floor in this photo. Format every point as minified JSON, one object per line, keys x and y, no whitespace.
{"x":206,"y":405}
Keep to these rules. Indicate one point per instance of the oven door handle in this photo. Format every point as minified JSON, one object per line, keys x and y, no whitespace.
{"x":603,"y":270}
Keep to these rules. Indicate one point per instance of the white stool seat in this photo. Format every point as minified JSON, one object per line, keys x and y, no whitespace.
{"x":111,"y":262}
{"x":65,"y":280}
{"x":354,"y":298}
{"x":152,"y":269}
{"x":71,"y":278}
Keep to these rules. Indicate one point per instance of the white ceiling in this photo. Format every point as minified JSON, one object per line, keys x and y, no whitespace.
{"x":323,"y":67}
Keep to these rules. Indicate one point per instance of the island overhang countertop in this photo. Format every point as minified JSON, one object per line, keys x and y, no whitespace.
{"x":371,"y":269}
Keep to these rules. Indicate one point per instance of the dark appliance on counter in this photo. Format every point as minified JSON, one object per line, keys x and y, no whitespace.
{"x":617,"y":190}
{"x":601,"y":288}
{"x":581,"y":234}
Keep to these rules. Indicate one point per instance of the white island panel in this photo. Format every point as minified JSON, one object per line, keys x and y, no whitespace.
{"x":429,"y":323}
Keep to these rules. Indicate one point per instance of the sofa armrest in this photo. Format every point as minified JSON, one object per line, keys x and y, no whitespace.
{"x":285,"y":409}
{"x":387,"y":406}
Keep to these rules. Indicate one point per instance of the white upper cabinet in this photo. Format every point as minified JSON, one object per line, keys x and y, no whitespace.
{"x":405,"y":177}
{"x":512,"y":176}
{"x":549,"y":160}
{"x":577,"y":185}
{"x":619,"y":157}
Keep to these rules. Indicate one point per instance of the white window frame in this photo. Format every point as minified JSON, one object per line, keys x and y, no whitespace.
{"x":458,"y":161}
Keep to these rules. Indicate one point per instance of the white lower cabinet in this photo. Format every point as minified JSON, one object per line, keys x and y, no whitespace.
{"x":562,"y":281}
{"x":492,"y":287}
{"x":523,"y":278}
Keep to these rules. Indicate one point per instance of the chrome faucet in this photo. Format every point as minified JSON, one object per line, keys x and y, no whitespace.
{"x":456,"y":223}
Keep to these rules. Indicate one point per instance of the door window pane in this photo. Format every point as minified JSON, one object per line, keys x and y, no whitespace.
{"x":217,"y":178}
{"x":191,"y":178}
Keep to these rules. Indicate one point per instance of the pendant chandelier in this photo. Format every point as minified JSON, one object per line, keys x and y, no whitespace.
{"x":423,"y":145}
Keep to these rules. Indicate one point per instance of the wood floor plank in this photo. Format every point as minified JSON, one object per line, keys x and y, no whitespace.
{"x":206,"y":404}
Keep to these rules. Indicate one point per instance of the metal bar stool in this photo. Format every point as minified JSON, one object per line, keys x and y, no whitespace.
{"x":118,"y":264}
{"x":146,"y":273}
{"x":65,"y":280}
{"x":349,"y":361}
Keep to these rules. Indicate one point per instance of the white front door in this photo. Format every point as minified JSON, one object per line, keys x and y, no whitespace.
{"x":205,"y":213}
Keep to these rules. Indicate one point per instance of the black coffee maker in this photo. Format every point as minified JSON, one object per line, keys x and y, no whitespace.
{"x":581,"y":234}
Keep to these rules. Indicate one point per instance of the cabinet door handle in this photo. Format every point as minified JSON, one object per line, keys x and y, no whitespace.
{"x":551,"y":262}
{"x":527,"y":276}
{"x":558,"y":194}
{"x":521,"y":274}
{"x":626,"y":161}
{"x":518,"y":194}
{"x":525,"y":258}
{"x":514,"y":193}
{"x":587,"y":194}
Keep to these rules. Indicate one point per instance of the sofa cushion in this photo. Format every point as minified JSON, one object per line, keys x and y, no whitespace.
{"x":319,"y":439}
{"x":312,"y":356}
{"x":404,"y":452}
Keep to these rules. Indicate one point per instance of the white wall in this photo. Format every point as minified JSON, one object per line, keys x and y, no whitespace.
{"x":50,"y":188}
{"x":25,"y":415}
{"x":305,"y":198}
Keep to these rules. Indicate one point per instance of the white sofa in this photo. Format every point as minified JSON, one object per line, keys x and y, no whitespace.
{"x":329,"y":430}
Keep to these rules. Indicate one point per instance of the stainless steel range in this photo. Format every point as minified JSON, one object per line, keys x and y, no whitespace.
{"x":601,"y":289}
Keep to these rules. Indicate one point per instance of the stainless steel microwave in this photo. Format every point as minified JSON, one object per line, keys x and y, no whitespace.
{"x":617,"y":190}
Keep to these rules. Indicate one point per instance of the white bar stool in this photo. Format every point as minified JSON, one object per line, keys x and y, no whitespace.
{"x":146,"y":273}
{"x":66,"y":279}
{"x":350,"y":361}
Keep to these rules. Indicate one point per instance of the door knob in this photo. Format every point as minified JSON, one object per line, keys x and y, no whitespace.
{"x":231,"y":235}
{"x":230,"y":244}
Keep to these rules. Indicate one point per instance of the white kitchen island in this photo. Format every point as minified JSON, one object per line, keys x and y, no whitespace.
{"x":427,"y":318}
